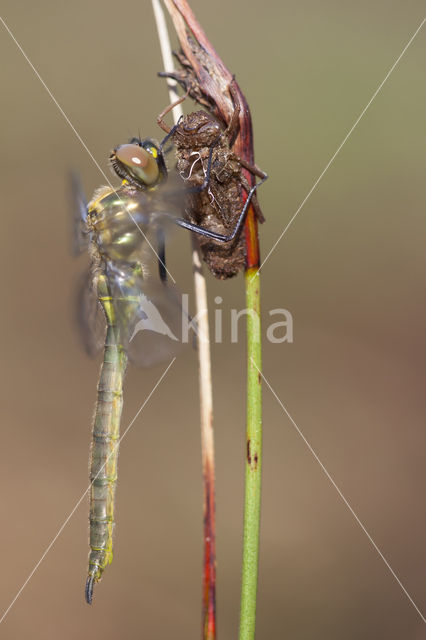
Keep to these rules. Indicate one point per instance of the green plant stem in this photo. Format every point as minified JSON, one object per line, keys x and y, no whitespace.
{"x":253,"y":463}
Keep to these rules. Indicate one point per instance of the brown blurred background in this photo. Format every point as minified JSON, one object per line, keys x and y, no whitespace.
{"x":351,"y":269}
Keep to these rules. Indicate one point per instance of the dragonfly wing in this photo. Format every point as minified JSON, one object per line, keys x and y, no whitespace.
{"x":90,"y":317}
{"x":148,"y":315}
{"x":80,"y":236}
{"x":158,"y":336}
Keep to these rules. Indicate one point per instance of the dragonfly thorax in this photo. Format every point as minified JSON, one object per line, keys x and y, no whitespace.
{"x":119,"y":223}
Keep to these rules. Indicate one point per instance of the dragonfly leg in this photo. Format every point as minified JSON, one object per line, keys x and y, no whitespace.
{"x":220,"y":237}
{"x":168,"y":136}
{"x":256,"y":171}
{"x":258,"y":211}
{"x":161,"y":249}
{"x":160,"y":118}
{"x":253,"y":168}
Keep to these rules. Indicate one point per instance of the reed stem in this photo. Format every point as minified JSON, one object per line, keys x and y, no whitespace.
{"x":253,"y":463}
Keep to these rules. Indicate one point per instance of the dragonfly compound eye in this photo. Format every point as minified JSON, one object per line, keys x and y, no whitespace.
{"x":134,"y":162}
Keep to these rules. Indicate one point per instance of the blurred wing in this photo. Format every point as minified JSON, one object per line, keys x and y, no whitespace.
{"x":80,"y":236}
{"x":90,"y":317}
{"x":148,"y":315}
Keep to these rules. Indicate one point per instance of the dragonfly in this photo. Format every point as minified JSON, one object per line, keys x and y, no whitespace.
{"x":127,"y":304}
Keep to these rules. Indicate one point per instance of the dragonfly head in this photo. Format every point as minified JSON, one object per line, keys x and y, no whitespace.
{"x":140,"y":162}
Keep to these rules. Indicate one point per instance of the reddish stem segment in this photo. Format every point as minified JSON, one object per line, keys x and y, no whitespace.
{"x":209,"y":565}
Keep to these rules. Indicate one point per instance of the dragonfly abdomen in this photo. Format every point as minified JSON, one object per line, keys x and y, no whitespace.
{"x":104,"y":457}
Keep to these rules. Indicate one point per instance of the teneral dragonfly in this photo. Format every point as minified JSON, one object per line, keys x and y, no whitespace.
{"x":124,"y":230}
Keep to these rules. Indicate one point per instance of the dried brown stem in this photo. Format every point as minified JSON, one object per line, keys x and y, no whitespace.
{"x":205,"y":391}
